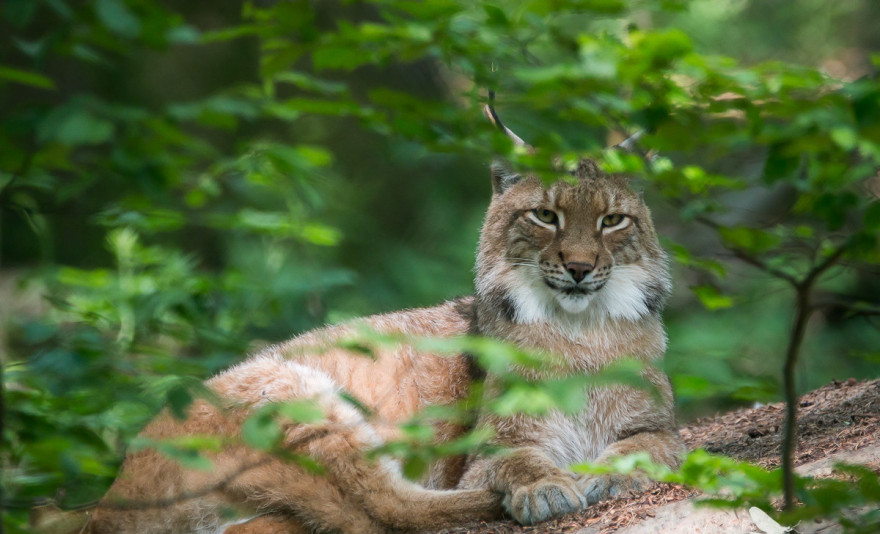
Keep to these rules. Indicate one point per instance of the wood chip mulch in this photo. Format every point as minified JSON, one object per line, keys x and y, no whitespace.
{"x":843,"y":416}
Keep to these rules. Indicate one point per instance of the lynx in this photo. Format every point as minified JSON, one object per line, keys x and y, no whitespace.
{"x":573,"y":269}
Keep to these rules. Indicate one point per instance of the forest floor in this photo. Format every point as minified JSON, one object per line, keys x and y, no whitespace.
{"x":838,"y":420}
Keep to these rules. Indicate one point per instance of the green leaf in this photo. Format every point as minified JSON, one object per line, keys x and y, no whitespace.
{"x":20,"y":12}
{"x":762,"y":391}
{"x":693,"y":386}
{"x":183,"y":34}
{"x":315,"y":155}
{"x":183,"y":450}
{"x":496,"y":16}
{"x":711,"y":298}
{"x":339,"y":57}
{"x":414,"y":467}
{"x":310,"y":83}
{"x":305,"y":411}
{"x":684,"y":257}
{"x":474,"y":440}
{"x":25,"y":78}
{"x":523,"y":398}
{"x":73,"y":125}
{"x":189,"y":459}
{"x":232,"y":33}
{"x":845,"y":138}
{"x":274,"y":223}
{"x":832,"y":207}
{"x":118,"y":18}
{"x":782,"y":163}
{"x":417,"y":432}
{"x":319,"y":234}
{"x":661,"y":46}
{"x":871,"y":220}
{"x":749,"y":239}
{"x":358,"y":405}
{"x":260,"y":430}
{"x":89,"y":55}
{"x":198,"y":443}
{"x":179,"y":400}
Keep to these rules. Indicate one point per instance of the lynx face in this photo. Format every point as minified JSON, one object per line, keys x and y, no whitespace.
{"x":583,"y":250}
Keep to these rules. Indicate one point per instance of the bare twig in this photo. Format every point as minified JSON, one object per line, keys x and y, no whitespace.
{"x":772,"y":271}
{"x":803,"y":311}
{"x":853,"y":306}
{"x":804,"y":308}
{"x":745,"y":257}
{"x":826,"y":264}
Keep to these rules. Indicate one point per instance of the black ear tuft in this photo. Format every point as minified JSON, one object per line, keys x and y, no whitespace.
{"x":502,"y":177}
{"x":588,"y":169}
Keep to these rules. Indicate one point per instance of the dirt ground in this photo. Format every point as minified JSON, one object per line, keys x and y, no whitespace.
{"x":841,"y":417}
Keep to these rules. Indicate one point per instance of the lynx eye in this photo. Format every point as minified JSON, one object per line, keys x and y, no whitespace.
{"x":612,"y":220}
{"x":546,"y":216}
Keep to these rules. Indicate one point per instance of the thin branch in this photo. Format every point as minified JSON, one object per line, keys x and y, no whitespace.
{"x":856,"y":308}
{"x":803,"y":310}
{"x":826,"y":264}
{"x":755,"y":262}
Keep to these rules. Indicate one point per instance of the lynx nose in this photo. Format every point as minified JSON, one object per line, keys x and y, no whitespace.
{"x":578,"y":270}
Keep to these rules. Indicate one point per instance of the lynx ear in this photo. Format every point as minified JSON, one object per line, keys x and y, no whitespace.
{"x":502,"y":177}
{"x":587,"y":169}
{"x":490,"y":114}
{"x":631,"y":145}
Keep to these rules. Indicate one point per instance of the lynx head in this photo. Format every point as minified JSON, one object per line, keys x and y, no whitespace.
{"x":582,"y":249}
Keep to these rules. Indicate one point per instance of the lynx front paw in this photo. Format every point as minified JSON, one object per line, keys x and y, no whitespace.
{"x":597,"y":488}
{"x":546,"y":498}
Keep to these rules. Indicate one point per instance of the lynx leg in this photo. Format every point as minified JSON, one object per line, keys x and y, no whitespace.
{"x":411,"y":507}
{"x":664,"y":446}
{"x":310,"y":503}
{"x":354,"y":494}
{"x":269,"y":524}
{"x":534,"y":488}
{"x":375,"y":489}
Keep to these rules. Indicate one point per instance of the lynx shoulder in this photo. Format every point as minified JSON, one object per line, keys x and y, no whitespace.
{"x":574,"y":269}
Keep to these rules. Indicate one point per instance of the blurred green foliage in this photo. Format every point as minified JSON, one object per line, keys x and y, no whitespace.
{"x":179,"y":183}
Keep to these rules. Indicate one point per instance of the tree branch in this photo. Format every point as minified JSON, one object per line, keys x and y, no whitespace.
{"x":826,"y":264}
{"x":803,"y":310}
{"x":755,"y":262}
{"x":855,"y":307}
